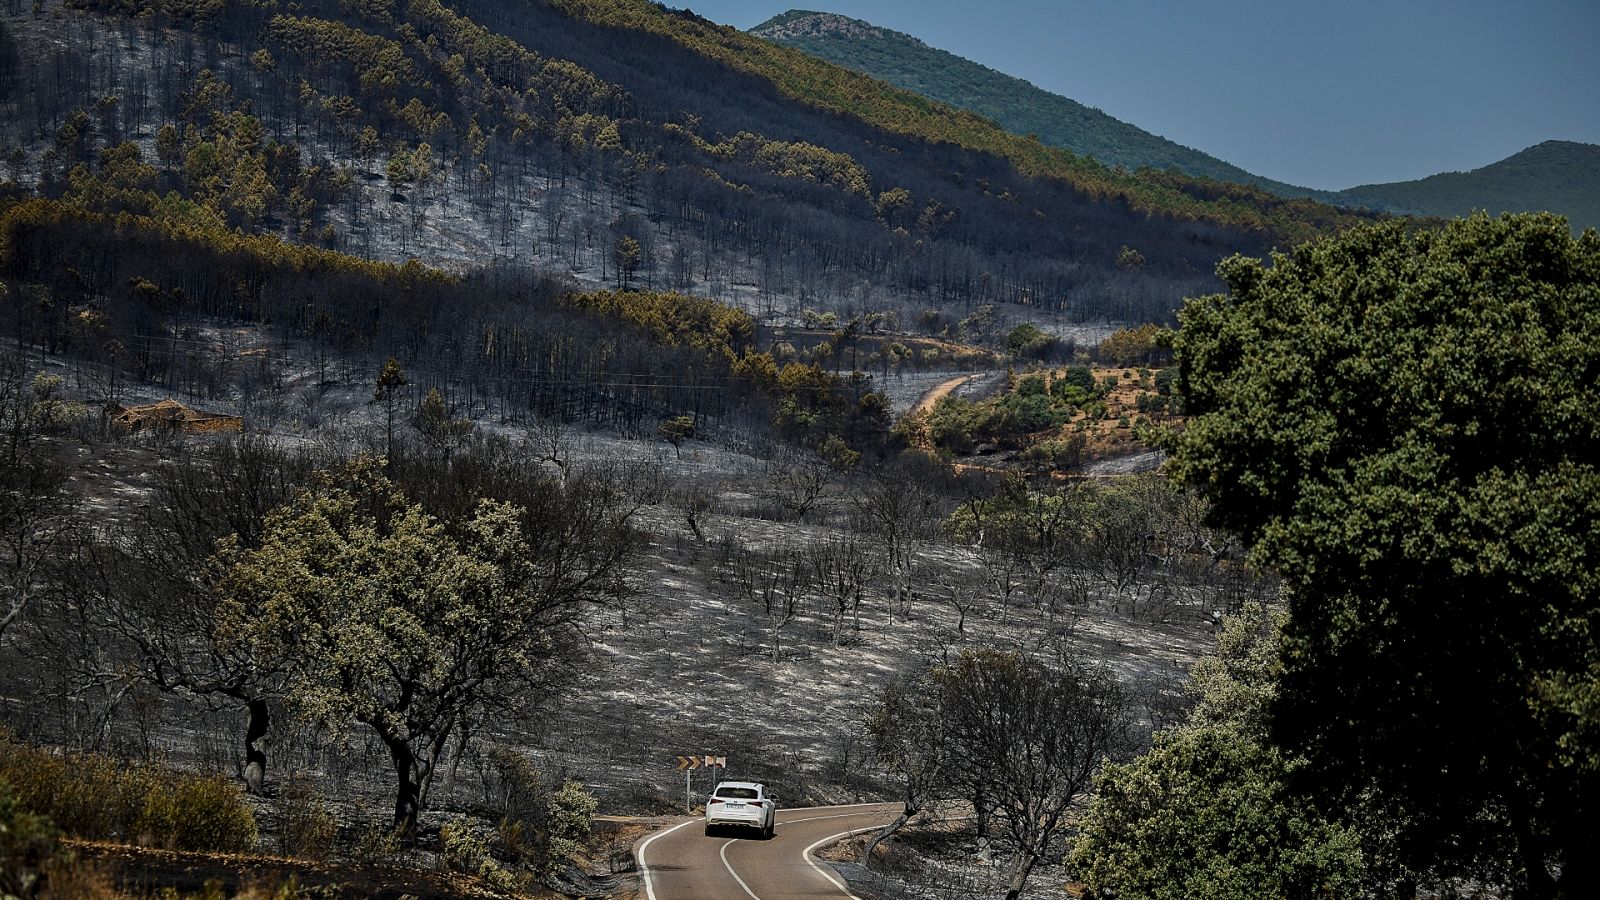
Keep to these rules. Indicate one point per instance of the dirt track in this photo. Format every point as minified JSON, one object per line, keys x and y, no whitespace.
{"x":943,"y":390}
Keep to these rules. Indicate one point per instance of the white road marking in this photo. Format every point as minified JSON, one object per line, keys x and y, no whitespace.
{"x":649,"y":885}
{"x":644,"y":868}
{"x":729,"y":866}
{"x":806,"y":855}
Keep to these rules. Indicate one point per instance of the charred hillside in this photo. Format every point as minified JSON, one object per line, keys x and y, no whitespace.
{"x":614,"y":150}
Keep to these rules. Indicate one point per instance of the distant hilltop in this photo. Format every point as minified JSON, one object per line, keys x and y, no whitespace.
{"x":798,"y":23}
{"x":1559,"y":176}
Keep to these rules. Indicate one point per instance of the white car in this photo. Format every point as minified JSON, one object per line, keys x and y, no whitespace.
{"x":743,"y":803}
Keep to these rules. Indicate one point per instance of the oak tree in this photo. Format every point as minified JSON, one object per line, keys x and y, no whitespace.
{"x":1403,"y":423}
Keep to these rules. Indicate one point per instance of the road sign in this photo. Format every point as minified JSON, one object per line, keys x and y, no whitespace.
{"x":687,"y":765}
{"x":696,"y":762}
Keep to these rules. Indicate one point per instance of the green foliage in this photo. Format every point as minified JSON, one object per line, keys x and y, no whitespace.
{"x":100,"y":798}
{"x":1403,"y":424}
{"x":569,"y":822}
{"x":28,"y":842}
{"x":1136,"y":346}
{"x":233,"y":257}
{"x":383,"y":582}
{"x":1020,"y":107}
{"x":677,"y":319}
{"x":463,"y":849}
{"x":1028,"y":341}
{"x":676,"y":430}
{"x":1209,"y":811}
{"x":1076,"y":385}
{"x":1034,"y":404}
{"x":788,"y":159}
{"x":837,"y":455}
{"x":811,"y":403}
{"x":1207,"y":814}
{"x":627,"y":253}
{"x":379,"y":614}
{"x":1063,"y":455}
{"x":391,"y":378}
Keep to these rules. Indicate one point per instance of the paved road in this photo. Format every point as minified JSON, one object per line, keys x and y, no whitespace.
{"x":681,"y":863}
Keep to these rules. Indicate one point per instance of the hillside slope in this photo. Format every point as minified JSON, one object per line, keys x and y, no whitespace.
{"x":614,"y":141}
{"x":1558,"y":176}
{"x":1018,"y":105}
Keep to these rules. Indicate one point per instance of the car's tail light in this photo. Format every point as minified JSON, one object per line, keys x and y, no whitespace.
{"x":715,"y":800}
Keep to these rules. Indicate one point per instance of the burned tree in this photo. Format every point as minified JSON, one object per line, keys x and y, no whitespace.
{"x":34,"y":513}
{"x":1028,"y":741}
{"x":842,"y":569}
{"x":774,"y":584}
{"x":146,"y":591}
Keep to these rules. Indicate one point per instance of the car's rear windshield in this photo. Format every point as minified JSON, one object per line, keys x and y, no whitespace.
{"x":733,"y":793}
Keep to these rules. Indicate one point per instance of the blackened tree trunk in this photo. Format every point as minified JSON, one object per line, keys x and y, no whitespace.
{"x":255,"y":755}
{"x":906,"y":812}
{"x":1021,"y":868}
{"x":408,"y":787}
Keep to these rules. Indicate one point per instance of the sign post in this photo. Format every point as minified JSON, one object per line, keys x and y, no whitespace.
{"x":687,"y":765}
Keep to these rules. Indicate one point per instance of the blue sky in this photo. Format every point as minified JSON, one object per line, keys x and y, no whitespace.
{"x":1325,"y":94}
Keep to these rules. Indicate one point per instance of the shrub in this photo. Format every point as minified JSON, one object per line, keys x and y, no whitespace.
{"x":1031,"y":385}
{"x":306,"y":827}
{"x":568,"y":823}
{"x":1076,"y":384}
{"x":1056,"y":455}
{"x":375,"y":844}
{"x":28,"y":843}
{"x":462,"y":849}
{"x":94,"y":796}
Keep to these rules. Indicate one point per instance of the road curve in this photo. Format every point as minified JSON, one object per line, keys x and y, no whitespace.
{"x":681,"y":863}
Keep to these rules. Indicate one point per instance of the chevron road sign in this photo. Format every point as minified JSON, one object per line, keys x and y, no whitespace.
{"x":695,"y":762}
{"x":687,"y":765}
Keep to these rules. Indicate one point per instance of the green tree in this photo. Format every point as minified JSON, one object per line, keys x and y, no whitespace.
{"x":628,"y":253}
{"x":1142,"y":345}
{"x":169,"y":146}
{"x":387,"y":618}
{"x":892,"y":204}
{"x":1028,"y":341}
{"x":1208,"y":812}
{"x":676,"y":430}
{"x":440,"y":430}
{"x":391,"y":384}
{"x":1403,"y":423}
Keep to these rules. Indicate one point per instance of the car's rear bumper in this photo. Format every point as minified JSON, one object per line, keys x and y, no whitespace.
{"x":749,"y":820}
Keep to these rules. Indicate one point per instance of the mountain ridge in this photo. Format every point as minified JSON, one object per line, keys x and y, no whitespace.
{"x":1086,"y":131}
{"x":1561,"y":176}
